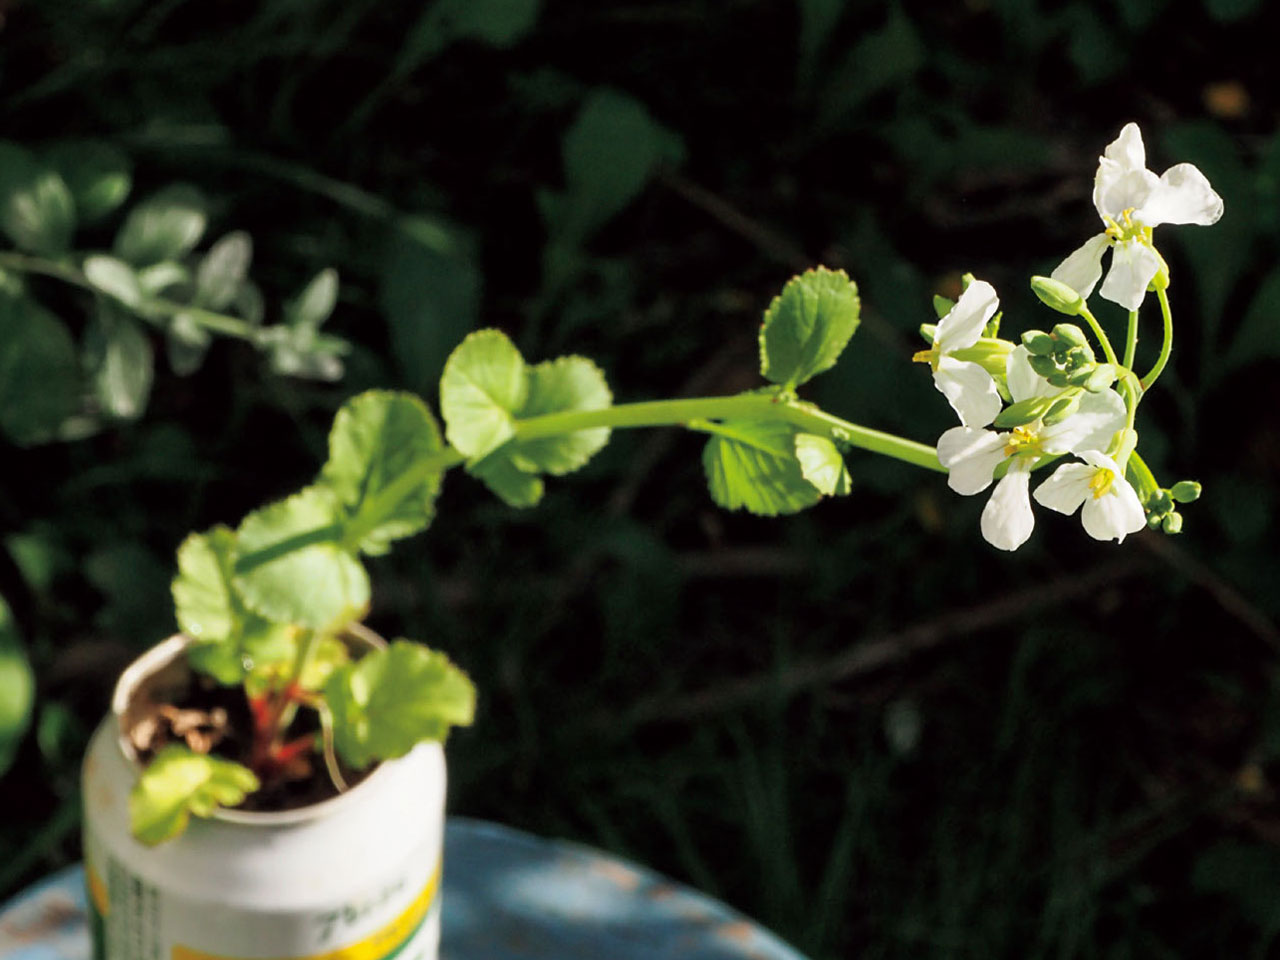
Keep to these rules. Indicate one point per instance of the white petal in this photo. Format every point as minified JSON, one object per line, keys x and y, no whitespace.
{"x":1183,"y":195}
{"x":1067,"y":488}
{"x":971,"y":457}
{"x":1114,"y":514}
{"x":1091,"y":427}
{"x":1081,"y":270}
{"x":1118,"y":191}
{"x":963,"y":324}
{"x":1023,"y":382}
{"x":1127,"y":149}
{"x":1007,"y":519}
{"x":1133,"y":265}
{"x":969,"y":389}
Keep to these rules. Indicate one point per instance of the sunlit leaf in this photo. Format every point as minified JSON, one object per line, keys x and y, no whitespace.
{"x":222,"y":271}
{"x":36,"y":208}
{"x":326,"y":655}
{"x":822,"y":464}
{"x":292,"y":567}
{"x":482,"y":387}
{"x":165,"y":226}
{"x":754,"y":465}
{"x":179,"y":783}
{"x":115,"y":278}
{"x":509,"y":483}
{"x":807,"y":326}
{"x":382,"y":466}
{"x":120,"y":362}
{"x":98,"y":175}
{"x":391,"y":700}
{"x":17,"y":688}
{"x":557,"y":386}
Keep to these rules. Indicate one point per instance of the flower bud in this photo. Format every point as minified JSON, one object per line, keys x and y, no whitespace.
{"x":1038,"y":343}
{"x":1022,"y":412}
{"x":1070,"y":334}
{"x":1185,"y":491}
{"x":929,"y":331}
{"x":1103,"y":375}
{"x":1172,"y":522}
{"x":1043,"y":366}
{"x":942,"y":306}
{"x":1056,"y":295}
{"x":1062,"y":407}
{"x":1058,"y":379}
{"x":1160,"y":502}
{"x":1080,"y":376}
{"x":1154,"y":520}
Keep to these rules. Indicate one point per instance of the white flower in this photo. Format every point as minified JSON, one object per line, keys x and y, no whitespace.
{"x":1111,"y":506}
{"x":971,"y":455}
{"x":1132,"y":201}
{"x":969,"y":388}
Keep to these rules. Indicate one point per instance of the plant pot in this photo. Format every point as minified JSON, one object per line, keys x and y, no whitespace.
{"x":355,"y":877}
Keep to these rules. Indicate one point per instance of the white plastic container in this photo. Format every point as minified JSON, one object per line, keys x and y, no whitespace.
{"x":355,"y":877}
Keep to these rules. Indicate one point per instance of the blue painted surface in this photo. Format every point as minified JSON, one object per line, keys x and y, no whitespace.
{"x":507,"y":896}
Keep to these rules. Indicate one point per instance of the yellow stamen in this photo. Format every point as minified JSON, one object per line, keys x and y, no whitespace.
{"x":932,"y":356}
{"x":1021,"y":440}
{"x":1101,"y":482}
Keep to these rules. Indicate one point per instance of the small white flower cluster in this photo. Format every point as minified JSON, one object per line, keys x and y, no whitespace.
{"x":1092,"y":424}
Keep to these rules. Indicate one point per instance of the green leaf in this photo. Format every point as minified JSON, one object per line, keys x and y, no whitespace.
{"x":807,"y":326}
{"x":39,"y":372}
{"x":17,"y":689}
{"x":36,"y":208}
{"x":507,"y":481}
{"x":880,"y":60}
{"x":482,"y":387}
{"x":120,"y":362}
{"x":754,"y":465}
{"x":115,"y":278}
{"x":498,"y":23}
{"x":222,"y":271}
{"x":186,"y":343}
{"x":301,"y":351}
{"x":313,"y":305}
{"x":382,"y":467}
{"x":391,"y":700}
{"x":230,"y":641}
{"x":159,"y":277}
{"x":180,"y":783}
{"x":165,"y":226}
{"x":612,"y":150}
{"x":328,"y":654}
{"x":430,"y":295}
{"x":822,"y":464}
{"x":557,"y":386}
{"x":292,"y":567}
{"x":98,"y":175}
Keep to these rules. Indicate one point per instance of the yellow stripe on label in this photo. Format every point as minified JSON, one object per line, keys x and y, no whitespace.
{"x":97,"y":891}
{"x":377,"y":946}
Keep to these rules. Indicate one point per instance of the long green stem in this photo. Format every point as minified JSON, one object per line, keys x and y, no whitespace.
{"x":656,"y":413}
{"x":150,"y":308}
{"x":1131,"y":340}
{"x":1166,"y":347}
{"x":1101,"y":334}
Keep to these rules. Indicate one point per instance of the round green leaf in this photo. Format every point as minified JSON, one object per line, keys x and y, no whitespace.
{"x":383,"y":468}
{"x":822,"y":464}
{"x":222,"y":271}
{"x":312,"y":306}
{"x":807,"y":326}
{"x":165,"y":226}
{"x":483,"y":386}
{"x":113,"y":277}
{"x":98,"y":175}
{"x":292,"y":567}
{"x":36,"y":208}
{"x":507,"y":481}
{"x":120,"y":360}
{"x":180,"y":782}
{"x":754,"y":465}
{"x":560,"y":385}
{"x":391,"y":700}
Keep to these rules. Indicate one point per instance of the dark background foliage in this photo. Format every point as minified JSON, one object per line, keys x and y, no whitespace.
{"x":861,"y":725}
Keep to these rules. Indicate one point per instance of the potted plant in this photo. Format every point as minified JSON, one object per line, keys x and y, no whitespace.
{"x":308,"y":750}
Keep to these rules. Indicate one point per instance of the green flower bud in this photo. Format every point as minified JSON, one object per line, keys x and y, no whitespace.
{"x":1058,"y":379}
{"x":1172,"y":522}
{"x":1185,"y":491}
{"x":928,"y":331}
{"x":1071,"y":334}
{"x":1038,"y":343}
{"x":1056,"y":295}
{"x":1080,"y":376}
{"x":1044,"y":366}
{"x":965,"y":280}
{"x":992,"y":329}
{"x":1103,"y":375}
{"x":1062,"y":407}
{"x":1154,"y":520}
{"x":942,"y":306}
{"x":1023,"y":412}
{"x":1160,"y":502}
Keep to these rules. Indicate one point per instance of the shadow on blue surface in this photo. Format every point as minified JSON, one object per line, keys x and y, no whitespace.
{"x":507,"y":896}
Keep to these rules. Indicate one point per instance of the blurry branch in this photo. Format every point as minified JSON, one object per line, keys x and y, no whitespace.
{"x":874,"y":653}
